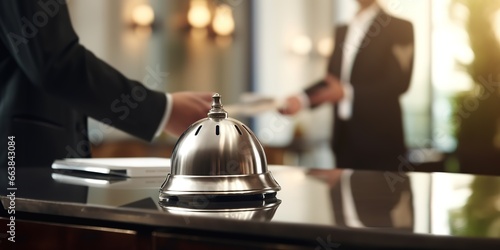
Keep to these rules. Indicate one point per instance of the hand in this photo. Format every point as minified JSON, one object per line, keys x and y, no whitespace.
{"x":332,"y":92}
{"x":187,"y":108}
{"x":335,"y":89}
{"x":292,"y":106}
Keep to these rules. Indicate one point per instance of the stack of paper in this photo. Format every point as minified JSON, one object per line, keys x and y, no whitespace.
{"x":126,"y":167}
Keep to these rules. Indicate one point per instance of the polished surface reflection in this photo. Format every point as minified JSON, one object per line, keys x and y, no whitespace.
{"x":256,"y":210}
{"x":476,"y":209}
{"x":365,"y":199}
{"x":414,"y":203}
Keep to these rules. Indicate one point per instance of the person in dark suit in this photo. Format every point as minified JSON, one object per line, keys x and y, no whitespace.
{"x":50,"y":84}
{"x":370,"y":68}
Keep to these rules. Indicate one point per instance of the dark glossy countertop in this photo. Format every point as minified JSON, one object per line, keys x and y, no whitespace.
{"x":330,"y":207}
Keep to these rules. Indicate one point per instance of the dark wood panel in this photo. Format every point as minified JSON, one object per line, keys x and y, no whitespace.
{"x":174,"y":241}
{"x":38,"y":235}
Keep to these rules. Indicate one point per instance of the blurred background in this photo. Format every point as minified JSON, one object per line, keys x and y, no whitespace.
{"x":276,"y":48}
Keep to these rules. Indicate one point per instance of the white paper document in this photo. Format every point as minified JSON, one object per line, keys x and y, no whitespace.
{"x":252,"y":104}
{"x":126,"y":167}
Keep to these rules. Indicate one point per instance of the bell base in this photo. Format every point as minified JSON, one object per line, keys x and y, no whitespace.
{"x":262,"y":210}
{"x":208,"y":202}
{"x":226,"y":187}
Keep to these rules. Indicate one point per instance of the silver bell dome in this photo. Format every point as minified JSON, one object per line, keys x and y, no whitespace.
{"x":218,"y":156}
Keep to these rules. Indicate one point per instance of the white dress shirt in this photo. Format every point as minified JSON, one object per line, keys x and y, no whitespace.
{"x":356,"y":31}
{"x":166,"y":115}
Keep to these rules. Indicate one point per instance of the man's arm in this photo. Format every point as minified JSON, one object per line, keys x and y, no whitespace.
{"x":41,"y":40}
{"x":330,"y":83}
{"x":328,"y":89}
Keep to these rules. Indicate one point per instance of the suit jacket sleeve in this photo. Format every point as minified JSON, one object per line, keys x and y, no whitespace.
{"x":40,"y":38}
{"x":333,"y":65}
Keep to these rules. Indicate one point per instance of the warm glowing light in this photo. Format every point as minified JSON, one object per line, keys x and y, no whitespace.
{"x":464,"y":54}
{"x":496,"y":24}
{"x":223,"y":23}
{"x":199,"y":15}
{"x":453,"y":47}
{"x":325,"y":46}
{"x":459,"y":11}
{"x":143,"y":15}
{"x":301,"y":45}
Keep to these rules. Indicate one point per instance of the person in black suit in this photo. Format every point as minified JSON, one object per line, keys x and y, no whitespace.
{"x":370,"y":68}
{"x":50,"y":84}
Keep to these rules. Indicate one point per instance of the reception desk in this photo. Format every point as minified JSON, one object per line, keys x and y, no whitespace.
{"x":316,"y":209}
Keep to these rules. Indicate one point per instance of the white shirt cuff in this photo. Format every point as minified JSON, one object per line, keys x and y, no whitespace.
{"x":345,"y":105}
{"x":166,"y":115}
{"x":304,"y":100}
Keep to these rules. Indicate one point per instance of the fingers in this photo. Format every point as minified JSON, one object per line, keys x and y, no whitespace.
{"x":292,"y":106}
{"x":187,"y":108}
{"x":205,"y":96}
{"x":335,"y":88}
{"x":331,"y":79}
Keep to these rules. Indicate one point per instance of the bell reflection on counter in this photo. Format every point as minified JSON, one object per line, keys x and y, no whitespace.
{"x":218,"y":157}
{"x":255,"y":210}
